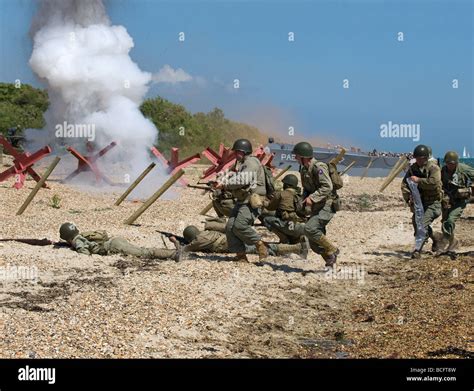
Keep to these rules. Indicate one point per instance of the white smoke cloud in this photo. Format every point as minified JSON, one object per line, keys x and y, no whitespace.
{"x":85,"y":63}
{"x":169,"y":75}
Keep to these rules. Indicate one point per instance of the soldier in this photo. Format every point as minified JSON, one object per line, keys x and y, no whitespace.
{"x":457,"y":179}
{"x":427,"y":174}
{"x":319,"y":197}
{"x":223,"y":202}
{"x":287,"y":223}
{"x":216,"y":242}
{"x":98,"y":242}
{"x":245,"y":183}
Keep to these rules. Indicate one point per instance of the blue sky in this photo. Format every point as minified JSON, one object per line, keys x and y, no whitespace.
{"x":299,"y":83}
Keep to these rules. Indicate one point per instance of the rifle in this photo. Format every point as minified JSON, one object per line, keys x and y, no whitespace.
{"x":203,"y":187}
{"x":180,"y":239}
{"x":32,"y":242}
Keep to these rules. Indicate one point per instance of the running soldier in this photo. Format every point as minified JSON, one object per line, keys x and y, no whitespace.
{"x":457,"y":179}
{"x":427,"y":175}
{"x":319,"y":196}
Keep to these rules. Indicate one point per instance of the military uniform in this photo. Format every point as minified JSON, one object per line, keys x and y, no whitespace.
{"x":223,"y":203}
{"x":216,"y":242}
{"x":84,"y":244}
{"x":317,"y":185}
{"x":429,"y":187}
{"x":248,"y":179}
{"x":455,"y":201}
{"x":286,"y":224}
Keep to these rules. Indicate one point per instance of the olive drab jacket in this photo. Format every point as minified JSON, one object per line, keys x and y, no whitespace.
{"x":208,"y":241}
{"x":248,"y":179}
{"x":317,"y":183}
{"x":430,"y":185}
{"x":91,"y":242}
{"x":454,"y":184}
{"x":285,"y":203}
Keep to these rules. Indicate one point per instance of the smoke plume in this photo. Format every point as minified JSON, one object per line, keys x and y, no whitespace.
{"x":85,"y":64}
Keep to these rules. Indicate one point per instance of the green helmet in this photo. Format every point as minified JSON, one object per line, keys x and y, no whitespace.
{"x":421,"y":151}
{"x":451,"y":157}
{"x":68,"y":231}
{"x":290,"y":180}
{"x":190,"y":233}
{"x":303,"y":149}
{"x":243,"y":145}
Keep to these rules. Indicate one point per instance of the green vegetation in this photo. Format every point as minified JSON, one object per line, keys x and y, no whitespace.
{"x":194,"y":132}
{"x":364,"y":201}
{"x":178,"y":127}
{"x":55,"y":201}
{"x":22,"y":106}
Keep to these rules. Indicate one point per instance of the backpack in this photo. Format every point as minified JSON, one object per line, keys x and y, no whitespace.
{"x":96,"y":236}
{"x":270,"y":184}
{"x":337,"y":182}
{"x":336,"y":179}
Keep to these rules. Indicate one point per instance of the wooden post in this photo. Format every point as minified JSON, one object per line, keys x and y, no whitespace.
{"x":135,"y":184}
{"x":206,"y":209}
{"x":154,"y":197}
{"x":394,"y":174}
{"x":347,"y":168}
{"x":282,"y":172}
{"x":367,"y":168}
{"x":39,"y":185}
{"x":336,"y":160}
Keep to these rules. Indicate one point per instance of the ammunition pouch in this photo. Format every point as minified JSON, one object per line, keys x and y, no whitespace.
{"x":463,"y":194}
{"x":336,"y":204}
{"x":256,"y":201}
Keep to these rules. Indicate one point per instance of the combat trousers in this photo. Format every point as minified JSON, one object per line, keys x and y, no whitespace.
{"x":118,"y":245}
{"x":239,"y":228}
{"x":292,"y":230}
{"x":432,"y":212}
{"x":450,"y":216}
{"x":223,"y":207}
{"x":315,"y":227}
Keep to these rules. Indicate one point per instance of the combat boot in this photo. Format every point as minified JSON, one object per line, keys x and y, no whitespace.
{"x":240,"y":257}
{"x":330,"y":251}
{"x":453,"y":243}
{"x":301,"y":249}
{"x":439,"y":242}
{"x":262,"y":250}
{"x":178,"y":256}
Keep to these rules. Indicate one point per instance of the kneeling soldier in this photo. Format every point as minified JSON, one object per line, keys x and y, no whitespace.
{"x":98,"y":242}
{"x":286,"y":223}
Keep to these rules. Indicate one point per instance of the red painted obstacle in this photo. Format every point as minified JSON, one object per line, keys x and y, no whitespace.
{"x":265,"y":158}
{"x":221,"y":161}
{"x":88,"y":163}
{"x":225,"y":158}
{"x":22,"y":164}
{"x":174,"y":164}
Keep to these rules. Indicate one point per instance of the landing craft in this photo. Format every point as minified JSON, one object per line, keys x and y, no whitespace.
{"x":380,"y":166}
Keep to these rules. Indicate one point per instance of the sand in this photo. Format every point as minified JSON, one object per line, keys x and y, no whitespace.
{"x":380,"y":304}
